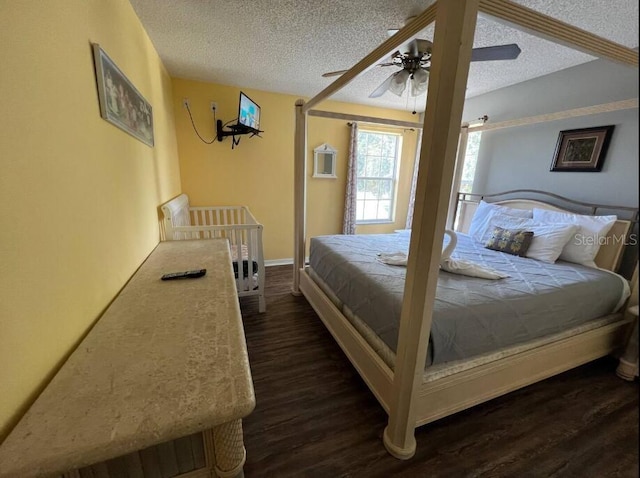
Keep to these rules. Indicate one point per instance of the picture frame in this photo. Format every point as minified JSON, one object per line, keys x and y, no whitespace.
{"x":121,"y":104}
{"x":582,"y":150}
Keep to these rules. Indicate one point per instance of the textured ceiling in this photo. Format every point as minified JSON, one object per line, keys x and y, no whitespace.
{"x":285,"y":45}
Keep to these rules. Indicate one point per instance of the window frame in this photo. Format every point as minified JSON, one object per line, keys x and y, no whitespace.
{"x":393,"y":180}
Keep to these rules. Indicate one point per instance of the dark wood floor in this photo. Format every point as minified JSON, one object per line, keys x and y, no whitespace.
{"x":315,"y":417}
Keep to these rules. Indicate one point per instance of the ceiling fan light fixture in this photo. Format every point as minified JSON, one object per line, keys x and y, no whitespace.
{"x":419,"y":82}
{"x":399,"y":82}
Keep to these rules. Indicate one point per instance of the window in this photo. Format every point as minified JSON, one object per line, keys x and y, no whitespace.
{"x":470,"y":161}
{"x":378,"y":158}
{"x":468,"y":171}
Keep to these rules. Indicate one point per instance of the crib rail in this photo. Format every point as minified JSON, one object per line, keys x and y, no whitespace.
{"x":221,"y":215}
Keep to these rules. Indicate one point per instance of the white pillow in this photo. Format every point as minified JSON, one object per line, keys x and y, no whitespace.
{"x":482,"y":215}
{"x":548,"y":239}
{"x":585,"y":243}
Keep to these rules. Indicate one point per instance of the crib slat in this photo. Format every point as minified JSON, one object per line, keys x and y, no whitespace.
{"x":250,"y":258}
{"x":217,"y":216}
{"x":243,"y":219}
{"x":240,"y":279}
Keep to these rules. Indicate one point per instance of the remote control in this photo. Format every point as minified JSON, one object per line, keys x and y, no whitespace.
{"x":184,"y":275}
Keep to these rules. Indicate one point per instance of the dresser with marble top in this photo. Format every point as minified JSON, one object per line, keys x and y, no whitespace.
{"x":158,"y":387}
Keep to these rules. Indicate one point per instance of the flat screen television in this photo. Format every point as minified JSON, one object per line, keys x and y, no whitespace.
{"x":248,"y":113}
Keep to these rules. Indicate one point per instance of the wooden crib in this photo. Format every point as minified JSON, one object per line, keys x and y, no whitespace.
{"x":235,"y":223}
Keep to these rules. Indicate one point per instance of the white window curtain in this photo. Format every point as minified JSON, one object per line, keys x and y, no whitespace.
{"x":414,"y":182}
{"x":349,"y":221}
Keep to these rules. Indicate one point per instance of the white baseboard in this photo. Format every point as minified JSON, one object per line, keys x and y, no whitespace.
{"x":282,"y":262}
{"x":278,"y":262}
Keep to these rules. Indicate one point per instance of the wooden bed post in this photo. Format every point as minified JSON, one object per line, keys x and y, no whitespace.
{"x":453,"y":40}
{"x":300,"y":195}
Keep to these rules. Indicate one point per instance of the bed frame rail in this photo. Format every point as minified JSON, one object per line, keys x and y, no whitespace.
{"x":463,"y":390}
{"x":377,"y":375}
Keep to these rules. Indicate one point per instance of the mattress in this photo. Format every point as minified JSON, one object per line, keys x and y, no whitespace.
{"x":471,"y":316}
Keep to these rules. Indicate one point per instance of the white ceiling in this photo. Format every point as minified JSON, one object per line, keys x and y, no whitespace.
{"x":285,"y":45}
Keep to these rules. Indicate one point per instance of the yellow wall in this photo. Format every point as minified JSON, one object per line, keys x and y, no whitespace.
{"x":258,"y":173}
{"x":78,"y":196}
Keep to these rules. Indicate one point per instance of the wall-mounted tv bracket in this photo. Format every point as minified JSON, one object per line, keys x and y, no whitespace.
{"x":233,"y":131}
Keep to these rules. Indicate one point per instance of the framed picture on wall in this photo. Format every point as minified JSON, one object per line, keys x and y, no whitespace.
{"x":121,"y":104}
{"x":582,"y":150}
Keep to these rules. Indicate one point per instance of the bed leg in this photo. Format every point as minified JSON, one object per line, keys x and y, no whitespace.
{"x":399,"y":451}
{"x":295,"y":288}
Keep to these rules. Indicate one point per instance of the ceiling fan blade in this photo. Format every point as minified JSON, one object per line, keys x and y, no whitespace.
{"x":334,"y":73}
{"x":412,"y":48}
{"x":498,"y":52}
{"x":424,"y":46}
{"x":382,"y":89}
{"x":419,"y":47}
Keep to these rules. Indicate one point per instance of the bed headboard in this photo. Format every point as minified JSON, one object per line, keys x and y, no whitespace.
{"x":610,"y":253}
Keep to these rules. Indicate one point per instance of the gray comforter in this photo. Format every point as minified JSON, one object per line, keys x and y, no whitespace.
{"x":471,"y":316}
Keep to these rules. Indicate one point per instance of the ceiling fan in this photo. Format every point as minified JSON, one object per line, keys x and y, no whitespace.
{"x":415,"y":63}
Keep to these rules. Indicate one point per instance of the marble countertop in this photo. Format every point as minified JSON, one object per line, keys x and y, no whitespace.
{"x":167,"y":359}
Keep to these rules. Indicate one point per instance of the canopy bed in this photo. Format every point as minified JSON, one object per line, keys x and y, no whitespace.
{"x":411,"y":394}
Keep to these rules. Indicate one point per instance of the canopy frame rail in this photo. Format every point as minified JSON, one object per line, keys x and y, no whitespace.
{"x":549,"y":28}
{"x":364,"y":119}
{"x":560,"y":115}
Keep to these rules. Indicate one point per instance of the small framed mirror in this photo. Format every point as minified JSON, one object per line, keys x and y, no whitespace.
{"x":324,"y":161}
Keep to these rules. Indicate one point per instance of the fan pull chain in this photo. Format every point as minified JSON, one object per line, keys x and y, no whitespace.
{"x":415,"y":99}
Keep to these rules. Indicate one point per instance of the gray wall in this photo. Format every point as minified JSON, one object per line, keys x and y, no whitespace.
{"x":520,"y":157}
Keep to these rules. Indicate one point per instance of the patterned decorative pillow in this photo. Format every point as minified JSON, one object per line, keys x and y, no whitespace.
{"x":510,"y":241}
